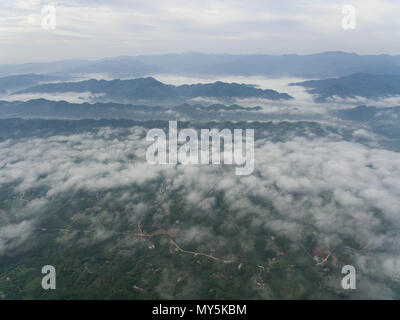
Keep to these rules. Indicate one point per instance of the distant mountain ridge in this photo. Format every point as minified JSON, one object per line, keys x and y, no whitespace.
{"x":152,"y":89}
{"x":49,"y":109}
{"x":318,"y":65}
{"x":18,"y":82}
{"x":364,"y":113}
{"x":356,"y":85}
{"x":123,"y":66}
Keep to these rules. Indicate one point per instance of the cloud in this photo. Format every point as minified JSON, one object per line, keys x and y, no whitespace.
{"x":72,"y":97}
{"x":303,"y":103}
{"x":13,"y":235}
{"x":111,"y":28}
{"x":332,"y":189}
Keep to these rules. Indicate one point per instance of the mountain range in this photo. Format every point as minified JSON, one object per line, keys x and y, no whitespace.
{"x":356,"y":85}
{"x":319,"y":65}
{"x":365,"y":113}
{"x":152,"y":89}
{"x":49,"y":109}
{"x":16,"y":82}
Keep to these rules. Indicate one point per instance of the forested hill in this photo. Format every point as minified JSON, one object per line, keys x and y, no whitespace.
{"x":150,"y":88}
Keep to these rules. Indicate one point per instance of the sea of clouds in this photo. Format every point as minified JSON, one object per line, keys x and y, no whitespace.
{"x":295,"y":175}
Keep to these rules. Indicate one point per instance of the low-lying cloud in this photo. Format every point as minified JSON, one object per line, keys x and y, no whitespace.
{"x":325,"y":186}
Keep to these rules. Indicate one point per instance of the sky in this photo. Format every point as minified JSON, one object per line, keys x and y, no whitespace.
{"x":89,"y":29}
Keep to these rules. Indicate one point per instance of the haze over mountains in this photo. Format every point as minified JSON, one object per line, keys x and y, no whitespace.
{"x":356,"y":85}
{"x":15,"y":82}
{"x":151,"y":89}
{"x":199,"y":150}
{"x":74,"y":178}
{"x":320,"y":65}
{"x":334,"y":75}
{"x":49,"y":109}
